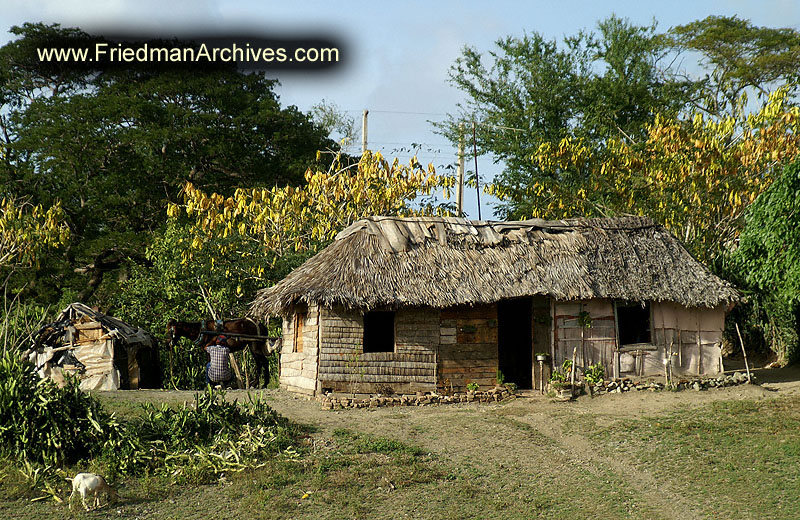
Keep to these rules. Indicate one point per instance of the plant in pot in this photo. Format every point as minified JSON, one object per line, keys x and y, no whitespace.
{"x":544,"y":357}
{"x":560,"y":381}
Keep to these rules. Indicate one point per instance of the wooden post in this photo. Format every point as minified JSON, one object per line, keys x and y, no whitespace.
{"x":460,"y":185}
{"x":246,"y":373}
{"x":364,"y":131}
{"x":583,"y":337}
{"x":541,"y":376}
{"x":744,"y":352}
{"x":699,"y":350}
{"x":572,"y":374}
{"x":617,"y":368}
{"x":236,"y":371}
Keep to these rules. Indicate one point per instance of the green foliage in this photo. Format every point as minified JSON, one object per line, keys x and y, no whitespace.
{"x":500,"y":378}
{"x":562,"y":374}
{"x":473,"y":387}
{"x":200,"y":440}
{"x":594,"y":374}
{"x":531,"y":90}
{"x":115,"y":147}
{"x":170,"y":289}
{"x":18,"y":322}
{"x":767,"y":265}
{"x":41,"y":422}
{"x":607,"y":88}
{"x":740,"y":57}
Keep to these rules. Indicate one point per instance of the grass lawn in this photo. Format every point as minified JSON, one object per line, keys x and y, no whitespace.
{"x":727,"y":459}
{"x":734,"y":459}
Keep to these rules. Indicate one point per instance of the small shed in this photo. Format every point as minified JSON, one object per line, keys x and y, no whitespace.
{"x":105,"y":353}
{"x":426,"y":303}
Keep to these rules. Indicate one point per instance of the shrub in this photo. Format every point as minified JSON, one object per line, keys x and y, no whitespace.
{"x":594,"y":374}
{"x":41,"y":422}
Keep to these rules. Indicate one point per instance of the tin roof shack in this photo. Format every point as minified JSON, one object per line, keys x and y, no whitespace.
{"x":104,"y":352}
{"x":412,"y":304}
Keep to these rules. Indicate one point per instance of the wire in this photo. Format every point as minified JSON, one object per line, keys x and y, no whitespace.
{"x":371,"y":111}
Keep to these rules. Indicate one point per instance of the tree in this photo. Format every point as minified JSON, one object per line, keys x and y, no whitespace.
{"x":767,"y":263}
{"x":694,"y":175}
{"x":285,"y":220}
{"x":532,"y":91}
{"x":27,"y":231}
{"x":235,"y":245}
{"x":115,"y":146}
{"x":608,"y":88}
{"x":738,"y":58}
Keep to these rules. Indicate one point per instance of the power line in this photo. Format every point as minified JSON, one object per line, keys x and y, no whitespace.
{"x":405,"y":112}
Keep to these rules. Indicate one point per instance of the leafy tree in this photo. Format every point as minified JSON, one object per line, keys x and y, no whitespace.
{"x":738,"y":57}
{"x":115,"y":146}
{"x":532,"y":90}
{"x":694,"y":175}
{"x":27,"y":231}
{"x":767,"y":263}
{"x":232,"y":246}
{"x":606,"y":88}
{"x":268,"y":224}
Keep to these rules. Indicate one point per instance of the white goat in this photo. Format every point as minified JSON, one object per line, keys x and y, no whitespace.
{"x":92,"y":485}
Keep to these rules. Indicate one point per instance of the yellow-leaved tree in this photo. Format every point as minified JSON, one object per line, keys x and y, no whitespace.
{"x":27,"y":230}
{"x":694,"y":175}
{"x":262,"y":224}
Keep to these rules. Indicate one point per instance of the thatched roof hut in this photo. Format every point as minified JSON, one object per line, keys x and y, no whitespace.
{"x":442,"y":261}
{"x":426,"y":303}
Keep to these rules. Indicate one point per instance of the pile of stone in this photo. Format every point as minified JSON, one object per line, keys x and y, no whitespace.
{"x":628,"y":385}
{"x":331,"y":401}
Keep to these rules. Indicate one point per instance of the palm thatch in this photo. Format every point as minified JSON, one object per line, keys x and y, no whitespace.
{"x":441,"y":261}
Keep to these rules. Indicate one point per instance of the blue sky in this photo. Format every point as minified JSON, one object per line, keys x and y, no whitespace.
{"x":399,"y":52}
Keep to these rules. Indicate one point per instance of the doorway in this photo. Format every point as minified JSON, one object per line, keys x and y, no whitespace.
{"x":515,"y":341}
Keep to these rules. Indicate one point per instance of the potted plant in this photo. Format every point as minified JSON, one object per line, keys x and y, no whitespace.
{"x":560,"y":382}
{"x":542,"y":357}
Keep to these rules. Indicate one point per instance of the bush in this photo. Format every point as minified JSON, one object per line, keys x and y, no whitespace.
{"x":40,"y":422}
{"x":766,"y":266}
{"x":43,"y":424}
{"x":199,"y":440}
{"x":594,"y":374}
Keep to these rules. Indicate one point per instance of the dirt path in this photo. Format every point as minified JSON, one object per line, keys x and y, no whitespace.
{"x":527,"y":437}
{"x":669,"y":502}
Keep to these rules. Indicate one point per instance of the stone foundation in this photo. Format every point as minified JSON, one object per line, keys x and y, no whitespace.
{"x":628,"y":385}
{"x":339,"y":401}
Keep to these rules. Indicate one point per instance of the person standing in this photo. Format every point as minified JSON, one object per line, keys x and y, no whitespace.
{"x":218,"y":370}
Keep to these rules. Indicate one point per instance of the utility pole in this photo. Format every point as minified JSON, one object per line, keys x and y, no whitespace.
{"x":460,"y":185}
{"x":364,"y":131}
{"x":477,"y":179}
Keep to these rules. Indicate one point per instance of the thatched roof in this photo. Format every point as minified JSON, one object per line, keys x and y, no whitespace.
{"x":80,"y":313}
{"x":440,"y":262}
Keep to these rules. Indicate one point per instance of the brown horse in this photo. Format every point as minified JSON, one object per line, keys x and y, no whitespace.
{"x":204,"y":333}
